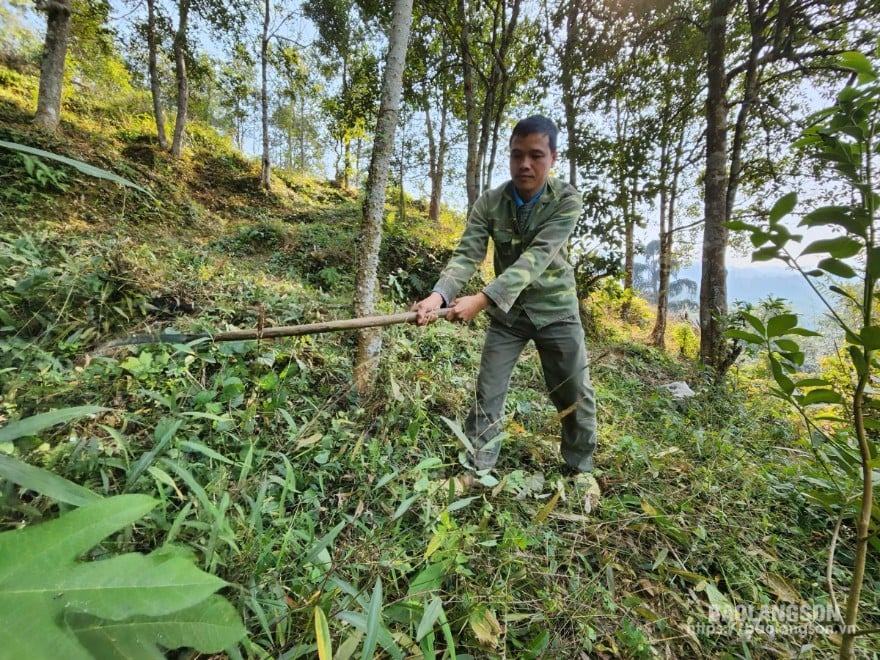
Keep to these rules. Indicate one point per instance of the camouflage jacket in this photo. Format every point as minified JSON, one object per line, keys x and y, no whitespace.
{"x":533,"y":274}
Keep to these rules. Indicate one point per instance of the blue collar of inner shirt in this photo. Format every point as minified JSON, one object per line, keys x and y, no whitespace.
{"x":518,"y":200}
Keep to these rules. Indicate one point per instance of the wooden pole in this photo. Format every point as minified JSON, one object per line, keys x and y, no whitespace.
{"x":268,"y":333}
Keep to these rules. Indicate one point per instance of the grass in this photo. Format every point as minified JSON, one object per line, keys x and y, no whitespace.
{"x":315,"y":503}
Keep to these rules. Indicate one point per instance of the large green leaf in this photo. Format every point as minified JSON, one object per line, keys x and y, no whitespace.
{"x":85,"y":168}
{"x":209,"y":626}
{"x":41,"y":579}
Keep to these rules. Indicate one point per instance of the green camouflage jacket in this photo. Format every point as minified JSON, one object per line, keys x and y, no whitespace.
{"x":532,"y":271}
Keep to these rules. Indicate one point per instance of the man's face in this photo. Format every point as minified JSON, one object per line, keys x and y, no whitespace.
{"x":530,"y":163}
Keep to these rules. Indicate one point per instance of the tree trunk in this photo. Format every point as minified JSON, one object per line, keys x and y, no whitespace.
{"x":52,"y":69}
{"x":182,"y":80}
{"x":155,"y":87}
{"x":437,"y":149}
{"x":470,"y":102}
{"x":571,"y":35}
{"x":265,"y":172}
{"x":713,"y":284}
{"x":370,"y":341}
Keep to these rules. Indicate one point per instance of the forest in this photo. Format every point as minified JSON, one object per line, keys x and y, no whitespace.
{"x":186,"y":168}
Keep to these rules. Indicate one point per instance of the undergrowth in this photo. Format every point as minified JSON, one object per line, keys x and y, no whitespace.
{"x":314,"y":503}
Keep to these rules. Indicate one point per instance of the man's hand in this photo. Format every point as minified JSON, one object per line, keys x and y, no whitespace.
{"x":466,"y":309}
{"x":425,"y":308}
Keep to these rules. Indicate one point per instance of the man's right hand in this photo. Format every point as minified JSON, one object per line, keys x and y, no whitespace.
{"x":425,"y":309}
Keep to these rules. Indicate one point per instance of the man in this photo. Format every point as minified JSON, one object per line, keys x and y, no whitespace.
{"x":533,"y":297}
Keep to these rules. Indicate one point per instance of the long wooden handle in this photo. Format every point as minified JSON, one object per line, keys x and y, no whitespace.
{"x":271,"y":332}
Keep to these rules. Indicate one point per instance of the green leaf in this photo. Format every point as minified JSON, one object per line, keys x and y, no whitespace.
{"x":780,"y":324}
{"x":460,"y":504}
{"x":322,"y":635}
{"x":323,"y":543}
{"x":33,"y":425}
{"x":811,"y":382}
{"x":374,"y":618}
{"x":787,"y":345}
{"x":45,"y":482}
{"x":766,"y":254}
{"x":739,"y":225}
{"x":837,"y":267}
{"x":749,"y":337}
{"x":854,"y":221}
{"x":429,"y":617}
{"x":820,"y":396}
{"x":35,"y":594}
{"x":359,"y":620}
{"x":871,"y":337}
{"x":459,"y":433}
{"x":85,"y":168}
{"x":209,"y":627}
{"x":785,"y":383}
{"x":858,"y":62}
{"x":755,"y":322}
{"x":783,"y":206}
{"x":429,"y":579}
{"x":841,"y":247}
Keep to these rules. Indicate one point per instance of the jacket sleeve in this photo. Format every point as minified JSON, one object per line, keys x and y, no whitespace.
{"x":533,"y":262}
{"x":468,"y":256}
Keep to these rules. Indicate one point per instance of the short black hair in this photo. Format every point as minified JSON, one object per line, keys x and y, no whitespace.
{"x":536,"y":124}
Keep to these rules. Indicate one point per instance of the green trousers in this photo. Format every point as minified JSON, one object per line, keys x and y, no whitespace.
{"x":564,"y":361}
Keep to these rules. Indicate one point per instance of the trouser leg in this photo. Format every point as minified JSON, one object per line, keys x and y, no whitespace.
{"x":501,"y":349}
{"x":564,"y":361}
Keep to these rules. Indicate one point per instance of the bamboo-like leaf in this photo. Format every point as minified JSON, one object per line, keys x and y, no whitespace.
{"x":85,"y":168}
{"x":547,"y":509}
{"x":33,"y":425}
{"x":459,"y":433}
{"x":429,"y":617}
{"x":359,"y":620}
{"x":374,"y":619}
{"x":322,"y":635}
{"x":45,"y":482}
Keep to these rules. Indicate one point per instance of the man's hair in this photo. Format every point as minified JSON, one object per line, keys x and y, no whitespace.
{"x":536,"y":124}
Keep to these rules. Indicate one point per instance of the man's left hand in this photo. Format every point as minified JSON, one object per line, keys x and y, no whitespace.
{"x":465,"y":309}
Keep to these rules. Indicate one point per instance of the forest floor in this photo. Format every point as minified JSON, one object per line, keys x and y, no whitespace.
{"x":302,"y":495}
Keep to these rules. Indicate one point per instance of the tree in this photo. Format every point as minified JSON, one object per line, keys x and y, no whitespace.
{"x":58,"y":20}
{"x":295,"y":115}
{"x":155,"y":84}
{"x":750,"y":48}
{"x":845,"y":140}
{"x":343,"y":43}
{"x":180,"y":54}
{"x":370,"y":341}
{"x":647,"y":279}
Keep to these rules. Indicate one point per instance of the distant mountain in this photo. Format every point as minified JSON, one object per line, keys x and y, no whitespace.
{"x":755,"y":282}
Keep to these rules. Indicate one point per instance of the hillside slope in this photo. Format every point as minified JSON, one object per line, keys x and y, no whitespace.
{"x":303,"y":496}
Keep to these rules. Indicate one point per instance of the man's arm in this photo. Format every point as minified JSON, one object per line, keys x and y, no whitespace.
{"x":465,"y":260}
